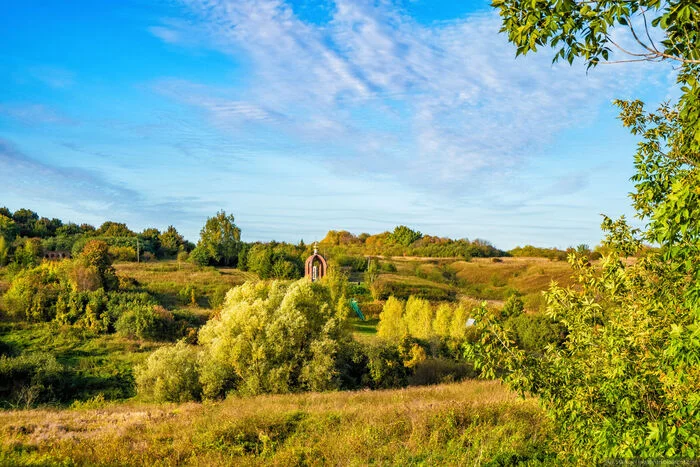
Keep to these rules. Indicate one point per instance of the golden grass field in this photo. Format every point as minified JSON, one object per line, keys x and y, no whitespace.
{"x":469,"y":423}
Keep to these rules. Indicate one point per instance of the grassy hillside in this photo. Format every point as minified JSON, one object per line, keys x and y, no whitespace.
{"x":471,"y":423}
{"x":491,"y":279}
{"x":167,"y":280}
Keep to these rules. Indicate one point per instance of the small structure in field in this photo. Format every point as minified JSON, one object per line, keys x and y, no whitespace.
{"x":316,"y":266}
{"x":57,"y":255}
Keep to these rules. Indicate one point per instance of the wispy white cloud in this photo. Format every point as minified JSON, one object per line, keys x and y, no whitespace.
{"x":381,"y":93}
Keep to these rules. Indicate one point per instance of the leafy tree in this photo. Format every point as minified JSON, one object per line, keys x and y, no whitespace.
{"x":221,"y":239}
{"x":458,"y":329}
{"x":115,"y":229}
{"x":25,"y":219}
{"x":419,"y":317}
{"x":404,"y":235}
{"x":443,"y":320}
{"x":171,"y":241}
{"x":96,"y":254}
{"x":4,"y":251}
{"x":626,"y":379}
{"x":27,"y":253}
{"x":8,"y":228}
{"x":68,"y":229}
{"x":170,"y":374}
{"x":392,"y":325}
{"x":273,"y":338}
{"x":151,"y":236}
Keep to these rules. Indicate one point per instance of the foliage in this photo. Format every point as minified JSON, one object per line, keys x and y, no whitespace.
{"x":444,"y":315}
{"x":404,"y":235}
{"x":170,"y":374}
{"x":392,"y":326}
{"x":586,"y":30}
{"x":171,"y":242}
{"x":534,"y":252}
{"x":30,"y":379}
{"x":513,"y":307}
{"x":385,"y":366}
{"x":115,"y":229}
{"x":199,"y":257}
{"x":274,"y":260}
{"x":419,"y":317}
{"x":95,"y":254}
{"x":533,"y":333}
{"x":220,"y":238}
{"x":625,"y":381}
{"x":4,"y":251}
{"x":146,"y":322}
{"x":273,"y":338}
{"x":33,"y":294}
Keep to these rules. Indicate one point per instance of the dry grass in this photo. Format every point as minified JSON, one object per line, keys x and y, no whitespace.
{"x":165,"y":279}
{"x":459,"y":424}
{"x":182,"y":273}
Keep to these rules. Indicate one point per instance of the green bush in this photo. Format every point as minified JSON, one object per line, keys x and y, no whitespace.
{"x":147,"y":322}
{"x":30,"y":379}
{"x":534,"y":332}
{"x":170,"y":374}
{"x":385,"y":367}
{"x":33,"y":294}
{"x":276,"y":337}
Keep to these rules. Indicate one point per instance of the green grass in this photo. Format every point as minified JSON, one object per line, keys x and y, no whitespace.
{"x":362,"y":330}
{"x":99,"y":363}
{"x":470,"y":423}
{"x":166,"y":279}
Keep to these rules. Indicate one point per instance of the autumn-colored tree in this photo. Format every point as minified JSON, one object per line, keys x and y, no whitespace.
{"x":419,"y":317}
{"x":392,"y":325}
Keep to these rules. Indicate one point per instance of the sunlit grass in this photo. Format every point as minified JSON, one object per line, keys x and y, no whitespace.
{"x":458,"y":424}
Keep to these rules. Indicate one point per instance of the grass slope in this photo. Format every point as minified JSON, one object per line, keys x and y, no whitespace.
{"x":470,"y":423}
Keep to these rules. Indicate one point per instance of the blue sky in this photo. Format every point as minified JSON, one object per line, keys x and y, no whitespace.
{"x":300,"y":117}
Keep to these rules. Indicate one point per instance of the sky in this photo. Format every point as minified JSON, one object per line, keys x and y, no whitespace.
{"x":303,"y":116}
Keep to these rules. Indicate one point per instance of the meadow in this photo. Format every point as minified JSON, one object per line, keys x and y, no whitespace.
{"x":96,"y":416}
{"x":469,"y":423}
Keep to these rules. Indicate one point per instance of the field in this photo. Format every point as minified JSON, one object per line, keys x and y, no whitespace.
{"x":104,"y":422}
{"x":470,"y":423}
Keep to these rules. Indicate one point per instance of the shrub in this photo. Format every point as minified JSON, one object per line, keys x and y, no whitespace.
{"x":122,"y":253}
{"x":170,"y":374}
{"x":440,"y":370}
{"x":274,"y":338}
{"x":146,"y":322}
{"x":534,"y":332}
{"x":199,"y":257}
{"x":188,"y":295}
{"x":33,"y":294}
{"x":385,"y":367}
{"x":514,"y":306}
{"x":30,"y":379}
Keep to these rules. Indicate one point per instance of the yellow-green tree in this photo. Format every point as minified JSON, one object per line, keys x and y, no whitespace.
{"x":419,"y":317}
{"x":443,"y":320}
{"x":392,"y":325}
{"x":458,"y":328}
